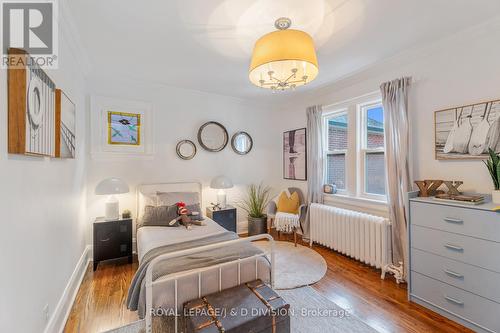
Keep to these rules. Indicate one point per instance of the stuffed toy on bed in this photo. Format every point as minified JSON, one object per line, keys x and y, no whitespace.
{"x":183,"y":212}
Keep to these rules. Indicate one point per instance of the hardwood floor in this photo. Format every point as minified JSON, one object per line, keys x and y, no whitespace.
{"x":382,"y":304}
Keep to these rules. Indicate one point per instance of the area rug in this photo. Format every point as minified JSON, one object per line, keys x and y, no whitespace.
{"x":310,"y":312}
{"x":295,"y":266}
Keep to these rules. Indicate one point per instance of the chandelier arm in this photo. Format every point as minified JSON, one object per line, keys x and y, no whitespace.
{"x":286,"y":81}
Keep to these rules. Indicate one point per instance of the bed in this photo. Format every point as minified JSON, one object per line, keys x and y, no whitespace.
{"x":178,"y":265}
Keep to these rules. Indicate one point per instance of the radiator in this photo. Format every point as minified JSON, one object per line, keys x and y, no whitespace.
{"x":361,"y":236}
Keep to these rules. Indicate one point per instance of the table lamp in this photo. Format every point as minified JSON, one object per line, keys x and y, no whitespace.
{"x":221,"y":183}
{"x":112,"y":186}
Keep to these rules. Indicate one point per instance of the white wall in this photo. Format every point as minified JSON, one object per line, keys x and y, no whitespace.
{"x":458,"y":70}
{"x":178,"y":113}
{"x":43,"y":205}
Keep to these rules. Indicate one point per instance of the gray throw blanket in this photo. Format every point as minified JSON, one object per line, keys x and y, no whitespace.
{"x":136,"y":299}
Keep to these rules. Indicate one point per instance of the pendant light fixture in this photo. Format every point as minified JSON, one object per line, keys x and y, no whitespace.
{"x":283,"y":59}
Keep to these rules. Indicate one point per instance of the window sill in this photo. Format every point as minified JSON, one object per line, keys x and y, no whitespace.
{"x":370,"y":206}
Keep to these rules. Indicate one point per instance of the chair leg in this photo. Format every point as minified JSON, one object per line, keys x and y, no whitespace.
{"x":279,"y":235}
{"x":295,"y":237}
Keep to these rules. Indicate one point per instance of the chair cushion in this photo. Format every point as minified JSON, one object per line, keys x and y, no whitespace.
{"x":289,"y":204}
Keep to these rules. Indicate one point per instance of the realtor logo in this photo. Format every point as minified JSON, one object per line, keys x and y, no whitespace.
{"x":31,"y":26}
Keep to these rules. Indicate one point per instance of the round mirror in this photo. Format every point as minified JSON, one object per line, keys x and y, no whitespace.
{"x":186,"y":149}
{"x":212,"y":136}
{"x":242,"y":143}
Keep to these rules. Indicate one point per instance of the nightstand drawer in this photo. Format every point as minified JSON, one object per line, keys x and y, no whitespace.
{"x":112,"y":240}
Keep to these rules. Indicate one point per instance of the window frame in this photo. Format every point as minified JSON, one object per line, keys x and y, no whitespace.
{"x":326,"y":152}
{"x":363,"y":150}
{"x":355,"y":173}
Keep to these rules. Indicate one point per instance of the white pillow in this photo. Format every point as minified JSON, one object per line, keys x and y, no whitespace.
{"x":171,"y":198}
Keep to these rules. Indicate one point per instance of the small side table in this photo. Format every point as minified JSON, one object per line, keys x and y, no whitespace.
{"x":225,"y":217}
{"x":112,"y":240}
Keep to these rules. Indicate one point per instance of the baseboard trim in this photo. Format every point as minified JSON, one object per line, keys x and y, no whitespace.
{"x":60,"y":316}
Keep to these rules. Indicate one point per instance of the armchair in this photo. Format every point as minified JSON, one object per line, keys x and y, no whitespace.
{"x":272,"y":209}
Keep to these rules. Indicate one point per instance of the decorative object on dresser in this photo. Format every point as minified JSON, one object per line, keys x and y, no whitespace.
{"x":454,"y":267}
{"x":213,"y":136}
{"x":65,"y":131}
{"x":493,"y":165}
{"x":255,"y":203}
{"x":185,"y":149}
{"x":221,"y":183}
{"x":112,"y":240}
{"x":295,"y":154}
{"x":428,"y":188}
{"x":126,"y":214}
{"x":453,"y":186}
{"x":254,"y":307}
{"x":472,"y":199}
{"x":225,"y":217}
{"x":288,"y":211}
{"x":467,"y":132}
{"x":111,"y":187}
{"x":31,"y":99}
{"x":242,"y":143}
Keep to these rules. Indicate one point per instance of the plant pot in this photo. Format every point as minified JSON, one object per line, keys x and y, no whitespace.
{"x":495,"y":196}
{"x":257,"y":225}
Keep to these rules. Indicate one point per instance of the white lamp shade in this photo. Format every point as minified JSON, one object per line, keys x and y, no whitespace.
{"x":111,"y":186}
{"x":221,"y":182}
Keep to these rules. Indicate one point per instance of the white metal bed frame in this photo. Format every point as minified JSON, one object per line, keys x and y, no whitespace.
{"x":176,"y":276}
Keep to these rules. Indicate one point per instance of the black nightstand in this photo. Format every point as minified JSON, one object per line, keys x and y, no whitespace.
{"x":225,"y":217}
{"x":112,"y":240}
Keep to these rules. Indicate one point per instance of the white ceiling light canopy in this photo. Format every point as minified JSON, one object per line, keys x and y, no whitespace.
{"x":283,"y":59}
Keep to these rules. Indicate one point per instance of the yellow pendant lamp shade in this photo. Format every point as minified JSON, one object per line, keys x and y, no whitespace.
{"x":283,"y":59}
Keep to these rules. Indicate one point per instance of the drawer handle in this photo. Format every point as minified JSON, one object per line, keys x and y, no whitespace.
{"x":454,"y":300}
{"x":105,"y":240}
{"x":455,"y":275}
{"x":454,"y":247}
{"x":452,"y":220}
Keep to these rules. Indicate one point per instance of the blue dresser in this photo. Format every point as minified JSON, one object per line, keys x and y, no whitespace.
{"x":454,"y":268}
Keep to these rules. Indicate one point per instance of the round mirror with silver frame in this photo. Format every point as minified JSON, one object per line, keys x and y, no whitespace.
{"x":212,"y":136}
{"x":242,"y":143}
{"x":186,"y":149}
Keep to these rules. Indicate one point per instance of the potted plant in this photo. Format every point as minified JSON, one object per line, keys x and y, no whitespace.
{"x":255,"y":203}
{"x":493,"y":164}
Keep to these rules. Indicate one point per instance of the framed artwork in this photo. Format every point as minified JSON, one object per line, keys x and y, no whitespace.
{"x":31,"y":101}
{"x":120,"y":128}
{"x":467,"y":132}
{"x":124,"y":128}
{"x":65,"y":126}
{"x":295,"y":154}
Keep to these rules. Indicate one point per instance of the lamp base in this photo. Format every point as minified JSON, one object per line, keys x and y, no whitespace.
{"x":221,"y":199}
{"x":112,"y":209}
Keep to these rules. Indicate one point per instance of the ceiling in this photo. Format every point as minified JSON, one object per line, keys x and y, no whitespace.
{"x":206,"y":44}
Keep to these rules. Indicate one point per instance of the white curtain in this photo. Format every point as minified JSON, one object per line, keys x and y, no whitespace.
{"x":395,"y":101}
{"x":314,"y":160}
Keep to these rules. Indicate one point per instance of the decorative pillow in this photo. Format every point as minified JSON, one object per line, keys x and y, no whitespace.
{"x":160,"y":216}
{"x":288,"y":204}
{"x":171,"y":198}
{"x":195,"y":208}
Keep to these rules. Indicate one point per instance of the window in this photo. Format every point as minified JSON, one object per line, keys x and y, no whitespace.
{"x":354,"y":148}
{"x":336,"y":143}
{"x":372,"y":149}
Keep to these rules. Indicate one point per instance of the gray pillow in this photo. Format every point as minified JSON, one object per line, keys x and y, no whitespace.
{"x":160,"y":216}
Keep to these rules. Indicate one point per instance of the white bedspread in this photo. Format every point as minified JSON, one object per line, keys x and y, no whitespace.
{"x":151,"y":237}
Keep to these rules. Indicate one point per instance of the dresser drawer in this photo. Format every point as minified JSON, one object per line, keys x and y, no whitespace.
{"x":479,"y":281}
{"x":469,"y":250}
{"x":478,"y":310}
{"x":465,"y":221}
